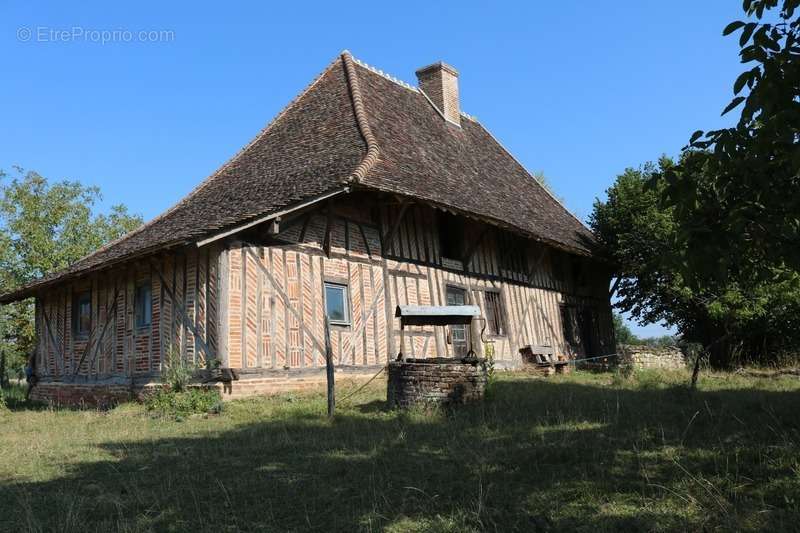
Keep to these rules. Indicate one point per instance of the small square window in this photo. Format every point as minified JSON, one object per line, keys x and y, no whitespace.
{"x":82,"y":314}
{"x":337,"y":306}
{"x":143,"y":303}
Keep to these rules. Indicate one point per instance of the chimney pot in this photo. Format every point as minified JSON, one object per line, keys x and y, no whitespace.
{"x":440,"y":82}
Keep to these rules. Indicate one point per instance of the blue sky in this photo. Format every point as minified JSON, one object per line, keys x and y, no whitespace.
{"x":578,"y":90}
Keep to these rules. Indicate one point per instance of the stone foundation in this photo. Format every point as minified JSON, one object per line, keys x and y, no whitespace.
{"x":438,"y":381}
{"x":668,"y":358}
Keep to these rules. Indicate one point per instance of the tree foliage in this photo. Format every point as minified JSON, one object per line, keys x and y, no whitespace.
{"x":711,"y":243}
{"x":754,"y":173}
{"x":738,"y":313}
{"x":45,"y":227}
{"x":622,"y":333}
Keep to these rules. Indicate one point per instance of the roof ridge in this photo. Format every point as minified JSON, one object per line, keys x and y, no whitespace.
{"x":373,"y":152}
{"x":381,"y":73}
{"x":399,"y":82}
{"x":210,"y":177}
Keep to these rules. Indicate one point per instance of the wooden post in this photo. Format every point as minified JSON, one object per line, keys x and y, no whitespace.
{"x":614,"y":287}
{"x":326,"y":241}
{"x":329,"y":369}
{"x":400,"y":356}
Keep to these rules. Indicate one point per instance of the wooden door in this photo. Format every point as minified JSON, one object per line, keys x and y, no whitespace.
{"x":587,"y":329}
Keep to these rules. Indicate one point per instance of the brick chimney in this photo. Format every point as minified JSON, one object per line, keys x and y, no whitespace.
{"x":440,"y":82}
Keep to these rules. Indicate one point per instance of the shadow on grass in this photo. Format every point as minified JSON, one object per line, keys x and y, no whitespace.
{"x":14,"y":399}
{"x":541,"y":455}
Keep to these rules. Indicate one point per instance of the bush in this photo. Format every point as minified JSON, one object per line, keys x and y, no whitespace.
{"x":177,"y":373}
{"x":179,"y":404}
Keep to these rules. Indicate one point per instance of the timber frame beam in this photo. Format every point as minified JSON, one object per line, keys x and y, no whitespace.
{"x":474,"y":247}
{"x":389,"y":236}
{"x":182,"y":310}
{"x":273,"y":216}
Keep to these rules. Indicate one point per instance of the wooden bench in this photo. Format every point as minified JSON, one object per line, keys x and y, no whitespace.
{"x":542,"y":359}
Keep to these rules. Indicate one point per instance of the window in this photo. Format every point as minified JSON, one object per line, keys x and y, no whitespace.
{"x":82,"y":314}
{"x":337,"y":306}
{"x":143,"y":304}
{"x":495,"y":317}
{"x":451,"y":235}
{"x":458,"y":332}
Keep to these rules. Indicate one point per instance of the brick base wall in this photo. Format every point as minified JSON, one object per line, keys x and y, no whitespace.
{"x":281,"y":382}
{"x":412,"y":382}
{"x":108,"y":395}
{"x":88,"y":394}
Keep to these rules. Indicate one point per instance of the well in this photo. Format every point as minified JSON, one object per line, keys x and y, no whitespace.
{"x":438,"y":380}
{"x":442,"y":380}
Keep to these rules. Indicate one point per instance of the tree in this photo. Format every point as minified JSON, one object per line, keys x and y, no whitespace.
{"x":622,"y":332}
{"x":45,"y":227}
{"x":732,"y":310}
{"x":754,"y":171}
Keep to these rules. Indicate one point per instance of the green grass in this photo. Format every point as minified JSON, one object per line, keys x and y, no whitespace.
{"x":585,"y":452}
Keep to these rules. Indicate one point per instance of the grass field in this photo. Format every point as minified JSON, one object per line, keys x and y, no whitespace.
{"x":585,"y":452}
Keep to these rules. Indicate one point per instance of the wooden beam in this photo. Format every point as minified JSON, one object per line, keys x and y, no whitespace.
{"x":90,"y":345}
{"x":223,"y":287}
{"x":275,"y":227}
{"x":304,"y":229}
{"x":357,"y":333}
{"x":326,"y":241}
{"x":272,"y":216}
{"x":474,"y":247}
{"x":287,"y":303}
{"x":389,"y":237}
{"x":48,"y":328}
{"x":536,"y":264}
{"x":524,"y":314}
{"x":329,"y":369}
{"x":243,"y":309}
{"x":99,"y":344}
{"x":179,"y":306}
{"x":364,"y":238}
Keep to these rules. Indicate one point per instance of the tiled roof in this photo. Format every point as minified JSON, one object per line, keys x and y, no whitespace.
{"x":353,"y":125}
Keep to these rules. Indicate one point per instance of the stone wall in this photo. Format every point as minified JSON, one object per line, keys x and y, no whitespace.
{"x":667,"y":358}
{"x":425,"y":381}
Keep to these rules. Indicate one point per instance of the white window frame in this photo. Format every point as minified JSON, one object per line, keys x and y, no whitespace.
{"x":345,"y":299}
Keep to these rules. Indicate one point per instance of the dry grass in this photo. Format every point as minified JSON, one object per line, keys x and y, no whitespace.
{"x":586,"y":452}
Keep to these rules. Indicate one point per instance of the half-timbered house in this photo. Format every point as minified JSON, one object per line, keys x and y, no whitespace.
{"x":364,"y":193}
